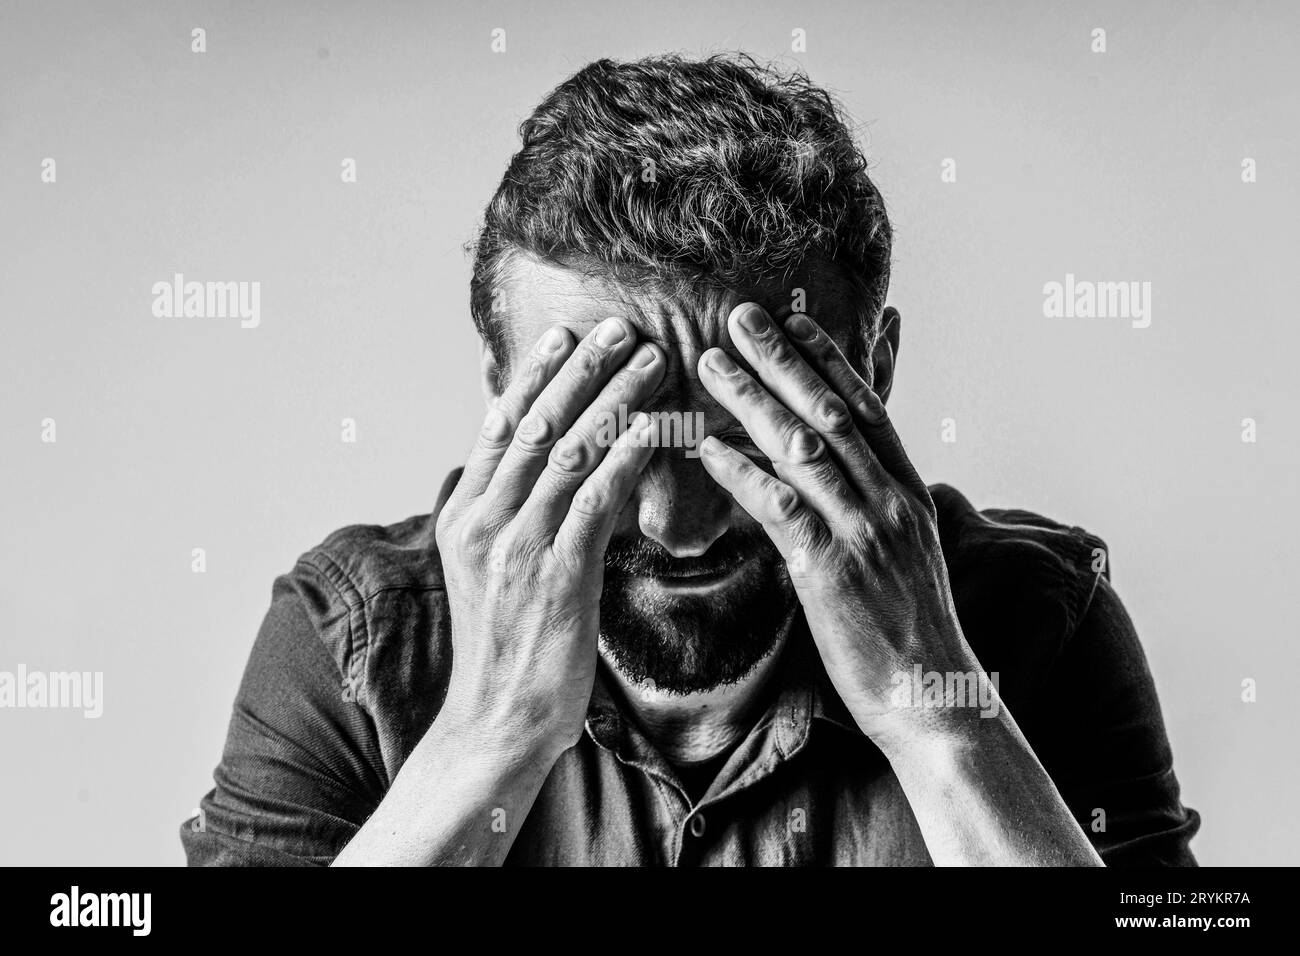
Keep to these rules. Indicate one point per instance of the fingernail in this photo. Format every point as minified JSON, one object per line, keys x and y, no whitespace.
{"x":611,"y":332}
{"x":710,"y":445}
{"x":552,"y":340}
{"x":641,"y":357}
{"x":720,"y":362}
{"x":801,"y":327}
{"x":753,"y":320}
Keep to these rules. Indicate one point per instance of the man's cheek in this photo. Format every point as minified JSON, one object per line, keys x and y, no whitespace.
{"x":746,"y":528}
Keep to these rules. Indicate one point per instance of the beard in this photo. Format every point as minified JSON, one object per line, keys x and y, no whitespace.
{"x":694,"y":642}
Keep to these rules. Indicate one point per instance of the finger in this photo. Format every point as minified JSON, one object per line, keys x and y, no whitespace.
{"x":798,"y":454}
{"x":499,"y":425}
{"x":584,"y":534}
{"x":572,"y":389}
{"x":825,"y":356}
{"x":797,"y":386}
{"x":575,"y":456}
{"x":793,"y":528}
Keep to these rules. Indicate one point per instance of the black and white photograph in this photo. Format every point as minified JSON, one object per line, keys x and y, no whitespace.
{"x":645,"y":435}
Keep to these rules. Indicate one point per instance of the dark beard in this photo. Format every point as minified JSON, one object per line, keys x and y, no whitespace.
{"x":689,"y":644}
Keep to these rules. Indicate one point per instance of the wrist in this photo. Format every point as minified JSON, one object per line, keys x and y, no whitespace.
{"x":939,"y":713}
{"x":506,"y":741}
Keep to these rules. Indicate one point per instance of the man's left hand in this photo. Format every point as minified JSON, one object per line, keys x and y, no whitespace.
{"x":846,"y":509}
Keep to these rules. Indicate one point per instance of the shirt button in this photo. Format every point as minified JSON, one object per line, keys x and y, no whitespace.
{"x":697,"y":826}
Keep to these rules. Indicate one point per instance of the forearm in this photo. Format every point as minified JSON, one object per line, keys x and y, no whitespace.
{"x":460,"y":799}
{"x":981,"y":797}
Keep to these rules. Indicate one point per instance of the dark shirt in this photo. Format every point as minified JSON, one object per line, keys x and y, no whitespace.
{"x":696,"y":777}
{"x":351,"y":665}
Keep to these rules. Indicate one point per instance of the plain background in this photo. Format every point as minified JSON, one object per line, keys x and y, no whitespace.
{"x":175,"y":434}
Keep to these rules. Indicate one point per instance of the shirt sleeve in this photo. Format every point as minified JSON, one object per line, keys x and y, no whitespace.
{"x":301,"y":770}
{"x":1106,"y":747}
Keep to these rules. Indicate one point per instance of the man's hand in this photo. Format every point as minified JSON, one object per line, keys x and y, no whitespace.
{"x":523,"y":536}
{"x":857,"y":528}
{"x":847,"y":510}
{"x":522,"y":541}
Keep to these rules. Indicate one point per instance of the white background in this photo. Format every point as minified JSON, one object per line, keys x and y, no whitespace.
{"x":182,"y":433}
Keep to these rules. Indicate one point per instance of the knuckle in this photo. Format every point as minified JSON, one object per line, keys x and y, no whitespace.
{"x":904,"y":518}
{"x":736,"y":466}
{"x":765,"y":342}
{"x":857,"y":395}
{"x":586,"y":363}
{"x":629,"y":379}
{"x":535,"y":430}
{"x":576,"y":553}
{"x":535,"y":372}
{"x":443,"y":530}
{"x":802,"y":444}
{"x":780,"y":353}
{"x":623,"y":444}
{"x":807,"y":544}
{"x":746,"y":387}
{"x":785,"y":501}
{"x":556,"y":574}
{"x":870,"y":405}
{"x":495,"y":432}
{"x":833,"y":359}
{"x":591,"y":499}
{"x":823,"y":475}
{"x":835,"y":415}
{"x":569,"y":456}
{"x":822,"y":345}
{"x":865,"y":538}
{"x":499,"y":557}
{"x":468,"y":537}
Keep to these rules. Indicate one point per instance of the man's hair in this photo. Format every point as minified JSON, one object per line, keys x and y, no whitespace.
{"x":685,"y":174}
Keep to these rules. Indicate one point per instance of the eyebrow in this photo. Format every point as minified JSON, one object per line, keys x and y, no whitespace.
{"x":687,"y":303}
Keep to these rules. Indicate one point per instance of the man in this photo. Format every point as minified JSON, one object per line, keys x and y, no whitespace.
{"x":776,"y":645}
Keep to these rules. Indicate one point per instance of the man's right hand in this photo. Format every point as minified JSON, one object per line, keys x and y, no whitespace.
{"x":522,"y":538}
{"x":522,"y":541}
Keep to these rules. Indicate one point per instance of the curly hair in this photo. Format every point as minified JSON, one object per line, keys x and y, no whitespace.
{"x":681,"y":173}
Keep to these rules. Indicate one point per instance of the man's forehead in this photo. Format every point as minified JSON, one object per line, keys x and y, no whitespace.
{"x":686,"y":319}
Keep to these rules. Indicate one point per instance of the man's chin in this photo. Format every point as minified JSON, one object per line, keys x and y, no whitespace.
{"x":691,"y":634}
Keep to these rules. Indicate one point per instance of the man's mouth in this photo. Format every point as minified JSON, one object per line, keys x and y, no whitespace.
{"x":693,"y":579}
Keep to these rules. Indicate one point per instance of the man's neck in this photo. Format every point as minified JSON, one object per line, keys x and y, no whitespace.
{"x":691,"y":728}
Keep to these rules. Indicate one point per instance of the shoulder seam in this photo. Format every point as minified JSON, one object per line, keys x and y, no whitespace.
{"x":1090,"y":541}
{"x":334,"y":574}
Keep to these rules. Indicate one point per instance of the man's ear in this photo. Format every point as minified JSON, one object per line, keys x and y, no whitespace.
{"x":489,"y":375}
{"x":885,"y":353}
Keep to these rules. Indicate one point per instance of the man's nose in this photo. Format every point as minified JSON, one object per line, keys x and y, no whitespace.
{"x":679,"y":505}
